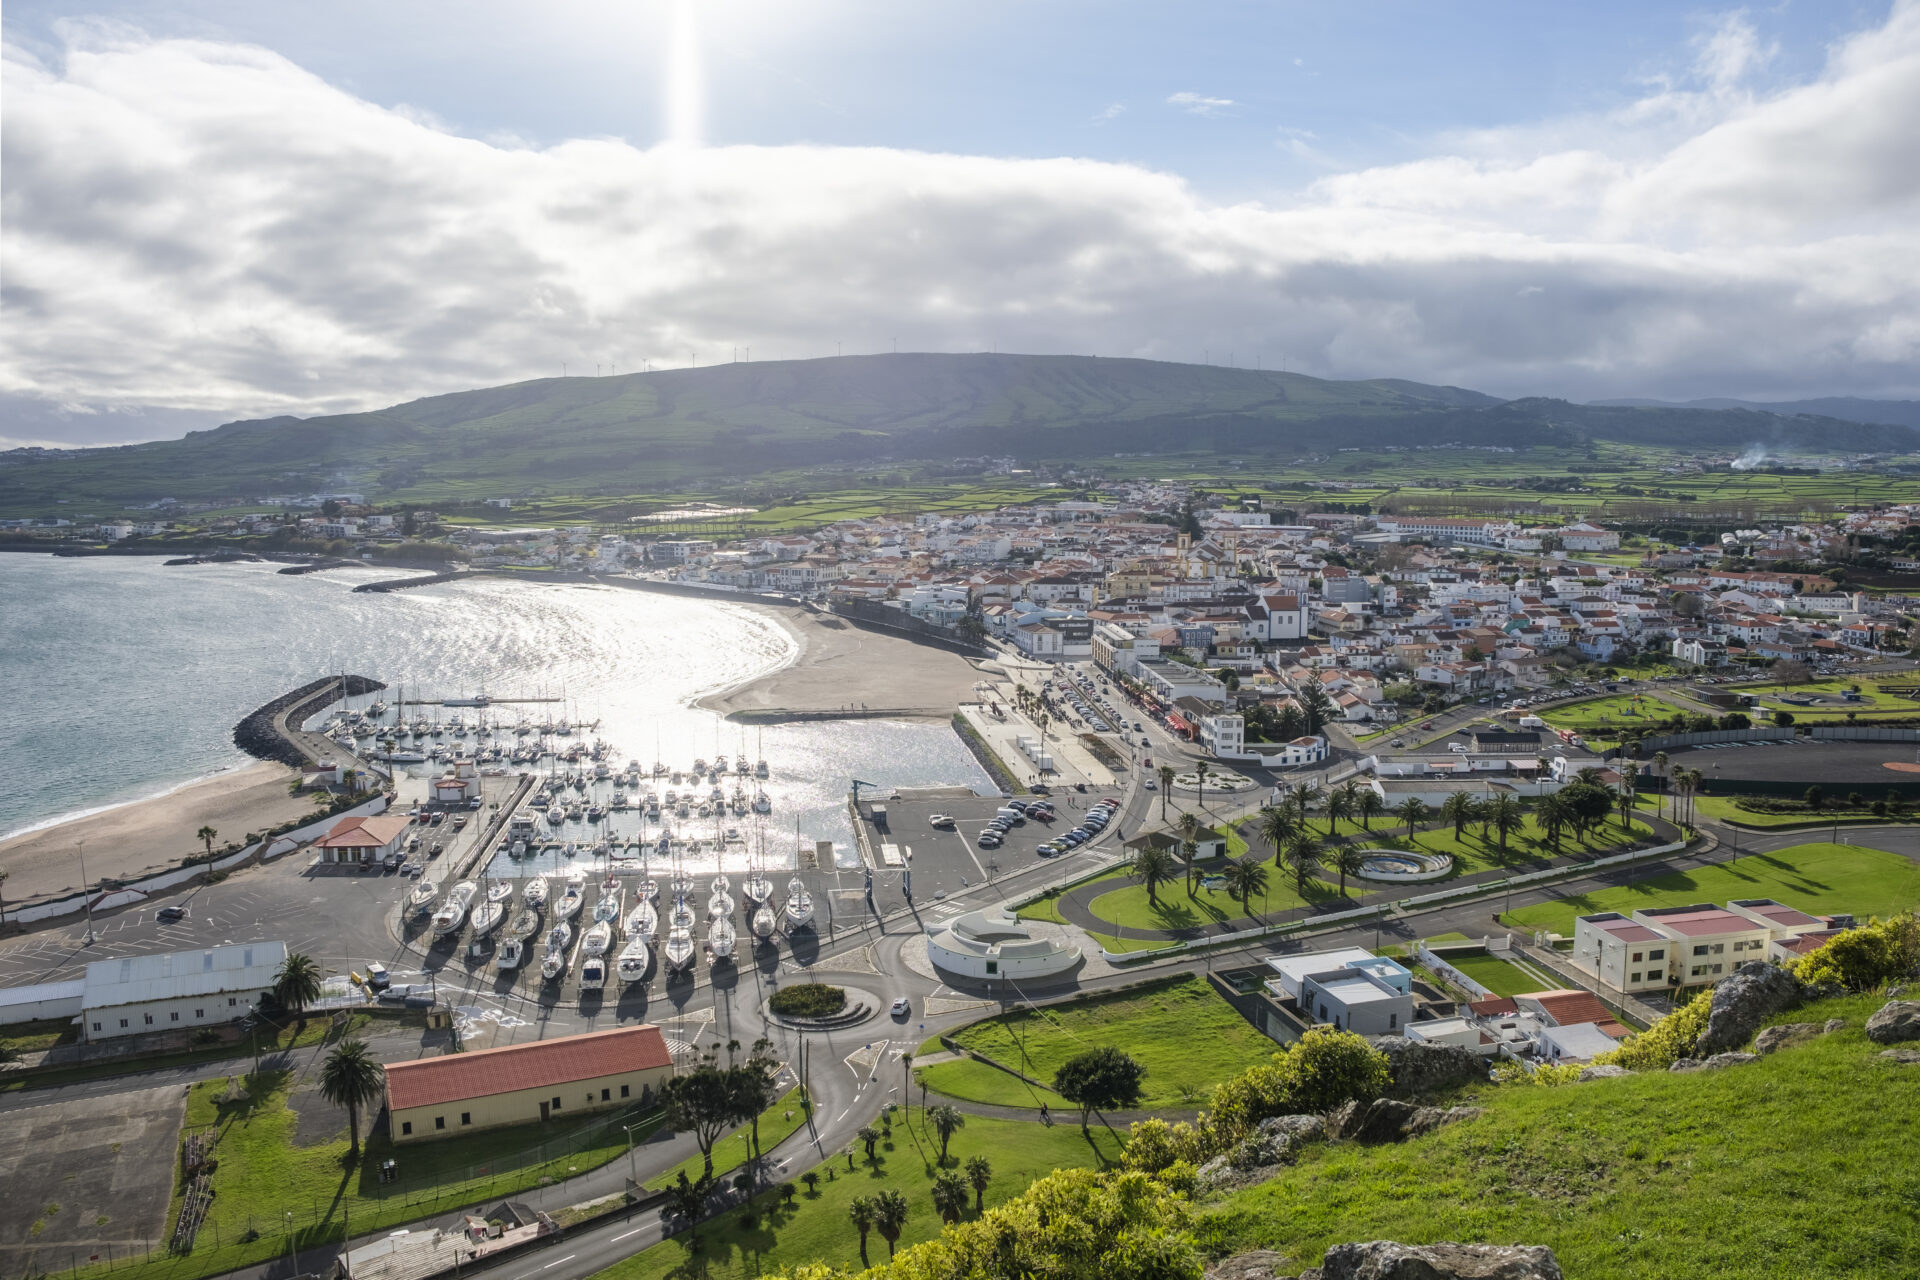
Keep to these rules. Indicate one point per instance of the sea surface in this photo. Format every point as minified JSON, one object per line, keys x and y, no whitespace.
{"x":124,"y":678}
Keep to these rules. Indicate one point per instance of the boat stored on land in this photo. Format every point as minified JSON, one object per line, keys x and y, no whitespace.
{"x":453,"y":912}
{"x":799,"y":909}
{"x":635,"y":959}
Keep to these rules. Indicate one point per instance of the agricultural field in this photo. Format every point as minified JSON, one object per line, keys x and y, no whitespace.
{"x":1187,"y":1037}
{"x":1817,"y":878}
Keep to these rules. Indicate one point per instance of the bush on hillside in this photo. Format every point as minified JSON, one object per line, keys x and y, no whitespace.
{"x":1547,"y":1075}
{"x":1666,"y":1041}
{"x":1862,"y":959}
{"x":808,"y":1000}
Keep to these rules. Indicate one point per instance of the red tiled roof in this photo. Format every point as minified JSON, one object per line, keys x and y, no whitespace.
{"x":361,"y":832}
{"x":1566,"y":1008}
{"x":539,"y":1064}
{"x":1498,"y":1007}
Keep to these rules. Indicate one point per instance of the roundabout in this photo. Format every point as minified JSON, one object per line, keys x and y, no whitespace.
{"x":1394,"y":866}
{"x":1223,"y":783}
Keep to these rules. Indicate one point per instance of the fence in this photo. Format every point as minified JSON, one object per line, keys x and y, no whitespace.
{"x":1670,"y":741}
{"x":1861,"y":733}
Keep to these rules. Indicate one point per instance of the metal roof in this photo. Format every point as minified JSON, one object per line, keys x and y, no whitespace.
{"x":240,"y":967}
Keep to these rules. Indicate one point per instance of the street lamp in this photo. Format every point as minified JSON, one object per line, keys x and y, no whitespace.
{"x":86,"y":893}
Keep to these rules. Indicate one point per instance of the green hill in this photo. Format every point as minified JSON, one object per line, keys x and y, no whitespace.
{"x":651,"y":432}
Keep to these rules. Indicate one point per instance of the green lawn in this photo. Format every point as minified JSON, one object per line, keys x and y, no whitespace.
{"x":1872,"y":699}
{"x":1495,"y":974}
{"x":815,"y":1228}
{"x":1042,"y":909}
{"x":1473,"y":852}
{"x":1727,"y":809}
{"x":1606,"y":717}
{"x":1798,"y":1164}
{"x":1187,"y":1037}
{"x":1130,"y":908}
{"x":264,"y":1174}
{"x":1816,"y":878}
{"x":776,"y":1122}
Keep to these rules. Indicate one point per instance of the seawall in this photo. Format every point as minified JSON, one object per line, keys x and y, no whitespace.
{"x":260,"y":734}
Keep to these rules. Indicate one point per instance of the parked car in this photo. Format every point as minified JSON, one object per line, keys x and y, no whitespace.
{"x":168,"y":915}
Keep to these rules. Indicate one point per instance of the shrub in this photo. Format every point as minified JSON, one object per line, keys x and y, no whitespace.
{"x":1547,"y":1075}
{"x":808,"y":1000}
{"x":1862,"y":959}
{"x":1666,"y":1041}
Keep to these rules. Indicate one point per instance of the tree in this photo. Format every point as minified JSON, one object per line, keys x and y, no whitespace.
{"x":1412,"y":811}
{"x":1815,"y":798}
{"x":1371,"y":806}
{"x":1167,"y":776}
{"x":1153,"y":866}
{"x":1660,"y":761}
{"x":979,"y":1177}
{"x":946,"y":1122}
{"x":812,"y":1179}
{"x":687,"y":1198}
{"x":1342,"y":803}
{"x":1791,"y":671}
{"x":297,"y":984}
{"x":861,"y":1214}
{"x":1303,"y":858}
{"x":4,"y":873}
{"x":949,"y":1195}
{"x":1189,"y":828}
{"x":1689,"y":780}
{"x":1301,"y":796}
{"x":350,"y":1077}
{"x":205,"y":836}
{"x":1458,"y":809}
{"x":753,"y":1086}
{"x":1101,"y":1079}
{"x":1551,"y":814}
{"x":1316,"y":706}
{"x":1200,"y":772}
{"x":1624,"y":801}
{"x":1585,"y":805}
{"x":869,"y":1138}
{"x":890,"y":1216}
{"x":1783,"y":719}
{"x":1246,"y":877}
{"x":1346,"y":860}
{"x":706,"y":1103}
{"x":1277,"y":825}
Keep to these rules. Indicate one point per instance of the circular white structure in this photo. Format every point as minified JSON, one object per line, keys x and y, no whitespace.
{"x":994,"y":943}
{"x":1224,"y":783}
{"x":1396,"y":866}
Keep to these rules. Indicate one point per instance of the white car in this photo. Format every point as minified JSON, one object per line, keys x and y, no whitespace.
{"x":1151,"y":785}
{"x":902,"y":1008}
{"x":940,"y":820}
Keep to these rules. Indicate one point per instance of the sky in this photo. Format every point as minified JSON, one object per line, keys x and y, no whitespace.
{"x":219,"y":209}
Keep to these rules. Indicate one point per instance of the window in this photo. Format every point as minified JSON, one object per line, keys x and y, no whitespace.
{"x":1393,"y":1020}
{"x":123,"y":1024}
{"x":233,"y":1002}
{"x":624,"y":1090}
{"x":439,"y":1122}
{"x":406,"y":1127}
{"x":96,"y":1026}
{"x":556,"y":1104}
{"x":1717,"y":968}
{"x":1719,"y":948}
{"x":1657,"y":955}
{"x":174,"y":1016}
{"x":1636,"y":957}
{"x":149,"y":1018}
{"x":606,"y":1095}
{"x":1696,"y":971}
{"x":466,"y":1117}
{"x":1633,"y":977}
{"x":199,"y":1013}
{"x":993,"y":967}
{"x":1700,"y":950}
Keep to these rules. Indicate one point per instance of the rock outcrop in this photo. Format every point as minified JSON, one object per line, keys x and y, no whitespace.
{"x":1391,"y":1120}
{"x":1261,"y":1154}
{"x":1715,"y":1063}
{"x":1606,"y":1071}
{"x":1255,"y":1264}
{"x":1774,"y":1039}
{"x":1385,"y":1260}
{"x":1421,"y":1069}
{"x":1906,"y":1057}
{"x":1895,"y":1021}
{"x":1749,"y":996}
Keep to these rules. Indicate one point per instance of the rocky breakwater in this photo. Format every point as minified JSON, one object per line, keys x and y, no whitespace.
{"x":262,"y":734}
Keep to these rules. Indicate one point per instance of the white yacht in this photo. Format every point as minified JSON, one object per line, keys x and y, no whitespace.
{"x":570,"y":902}
{"x":487,"y":917}
{"x":524,"y":925}
{"x":764,"y":922}
{"x":756,"y":889}
{"x":510,"y":956}
{"x":535,"y":894}
{"x":678,"y":951}
{"x":453,"y":912}
{"x":635,"y":958}
{"x":611,"y":896}
{"x":799,"y":909}
{"x":720,"y":940}
{"x":599,"y":938}
{"x":719,"y":906}
{"x":554,"y":962}
{"x":643,"y":921}
{"x":422,"y":896}
{"x":500,"y":891}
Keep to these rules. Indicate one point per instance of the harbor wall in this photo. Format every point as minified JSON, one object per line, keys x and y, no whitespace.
{"x":260,"y":734}
{"x":895,"y":622}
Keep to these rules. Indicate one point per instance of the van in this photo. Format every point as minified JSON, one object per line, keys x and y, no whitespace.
{"x":1009,"y":813}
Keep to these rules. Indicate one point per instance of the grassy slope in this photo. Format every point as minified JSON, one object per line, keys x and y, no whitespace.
{"x":1817,"y":877}
{"x":1179,"y":1029}
{"x":1800,"y":1164}
{"x":816,"y":1229}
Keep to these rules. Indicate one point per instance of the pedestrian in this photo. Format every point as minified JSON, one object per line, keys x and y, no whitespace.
{"x":1044,"y":1117}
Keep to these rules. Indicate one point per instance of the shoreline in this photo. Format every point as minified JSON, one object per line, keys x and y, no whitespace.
{"x":153,"y":833}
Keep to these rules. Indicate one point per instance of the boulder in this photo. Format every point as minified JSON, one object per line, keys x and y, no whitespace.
{"x":1421,"y":1069}
{"x":1744,"y":999}
{"x":1256,"y":1264}
{"x":1896,"y":1020}
{"x":1774,"y":1039}
{"x":1391,"y":1120}
{"x":1385,"y":1260}
{"x":1835,"y":1024}
{"x":1715,"y":1063}
{"x":1907,"y":1057}
{"x":1604,"y":1072}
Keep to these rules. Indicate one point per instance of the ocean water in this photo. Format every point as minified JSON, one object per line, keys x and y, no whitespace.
{"x":123,"y":678}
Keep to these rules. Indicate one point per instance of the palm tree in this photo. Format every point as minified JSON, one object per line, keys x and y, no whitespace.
{"x":1551,"y":813}
{"x":1341,"y":802}
{"x":351,"y":1077}
{"x":1200,"y":785}
{"x":949,"y":1195}
{"x":946,"y":1122}
{"x":890,"y":1216}
{"x":1246,"y":877}
{"x":1153,"y":866}
{"x":1189,"y":828}
{"x":205,"y":836}
{"x":1277,"y":825}
{"x":861,"y":1214}
{"x":1346,"y":860}
{"x":1624,"y":802}
{"x":1689,"y":782}
{"x":1166,"y":786}
{"x":1303,"y":856}
{"x":297,"y":985}
{"x":1458,"y":809}
{"x":979,"y":1176}
{"x":1413,"y":812}
{"x":1189,"y":854}
{"x":1504,"y":815}
{"x":1371,"y":806}
{"x":1301,"y":796}
{"x":1660,"y":767}
{"x":869,"y":1138}
{"x":688,"y":1197}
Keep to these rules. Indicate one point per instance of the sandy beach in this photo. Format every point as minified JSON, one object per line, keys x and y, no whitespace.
{"x":132,"y":840}
{"x":840,"y":666}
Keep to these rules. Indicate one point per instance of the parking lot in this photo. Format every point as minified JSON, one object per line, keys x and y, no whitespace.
{"x":949,"y":858}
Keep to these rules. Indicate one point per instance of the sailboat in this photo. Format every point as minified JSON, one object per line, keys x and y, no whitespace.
{"x":611,"y":896}
{"x":524,"y":925}
{"x":764,"y":922}
{"x":534,"y":897}
{"x":799,"y":909}
{"x":760,"y":765}
{"x":599,"y":938}
{"x":679,"y":950}
{"x":554,"y":962}
{"x":643,"y":921}
{"x":593,"y":974}
{"x":422,"y":896}
{"x":511,"y":953}
{"x":487,"y":917}
{"x":453,"y":912}
{"x":570,"y":902}
{"x":719,"y":905}
{"x":635,"y":958}
{"x":720,"y":939}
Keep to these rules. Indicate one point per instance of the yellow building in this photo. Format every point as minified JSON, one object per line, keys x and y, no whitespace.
{"x":525,"y":1083}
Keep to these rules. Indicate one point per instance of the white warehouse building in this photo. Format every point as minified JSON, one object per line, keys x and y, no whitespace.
{"x":142,"y":994}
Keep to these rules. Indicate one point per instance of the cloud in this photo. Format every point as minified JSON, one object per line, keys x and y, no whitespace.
{"x":207,"y":229}
{"x":1198,"y":104}
{"x":1112,"y":111}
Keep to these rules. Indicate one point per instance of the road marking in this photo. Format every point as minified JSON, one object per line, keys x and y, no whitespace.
{"x":557,"y":1261}
{"x":843,"y":1115}
{"x":636,"y":1231}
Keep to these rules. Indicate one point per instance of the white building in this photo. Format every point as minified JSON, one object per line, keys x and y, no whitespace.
{"x":1290,"y":972}
{"x":1352,"y":999}
{"x":177,"y":990}
{"x":1708,"y":942}
{"x":993,"y":943}
{"x":1624,"y":954}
